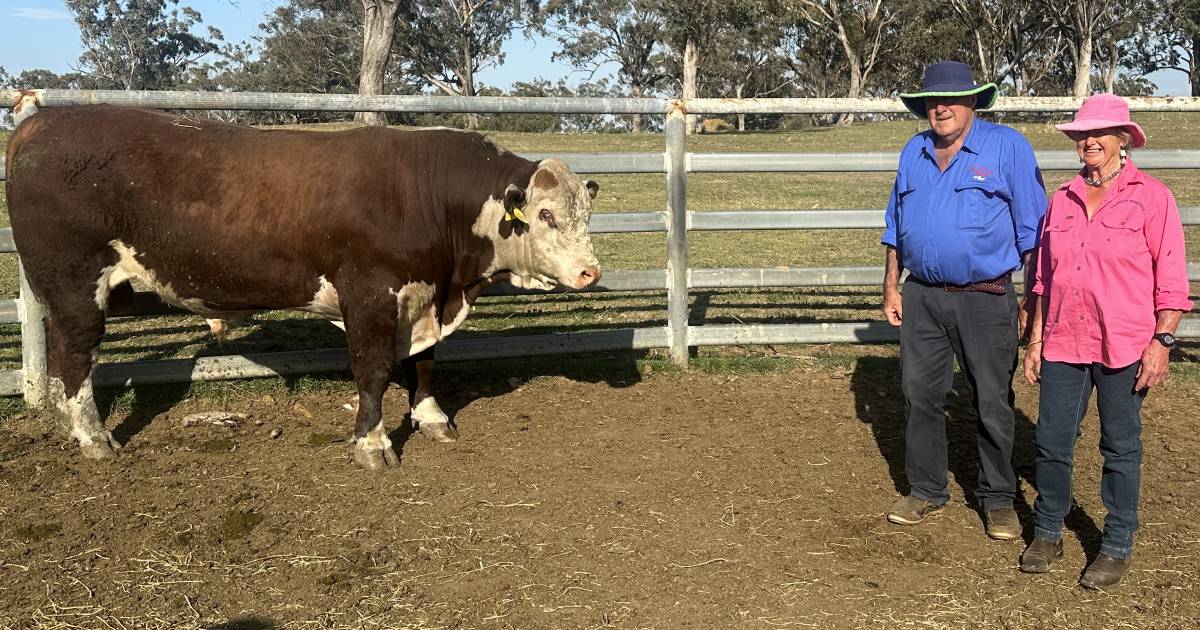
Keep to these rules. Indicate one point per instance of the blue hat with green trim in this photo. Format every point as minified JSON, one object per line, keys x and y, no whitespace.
{"x":949,"y":78}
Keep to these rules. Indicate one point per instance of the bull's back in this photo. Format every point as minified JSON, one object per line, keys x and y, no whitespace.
{"x":226,"y":212}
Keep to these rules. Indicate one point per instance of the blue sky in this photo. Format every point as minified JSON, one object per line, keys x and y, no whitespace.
{"x":41,"y":34}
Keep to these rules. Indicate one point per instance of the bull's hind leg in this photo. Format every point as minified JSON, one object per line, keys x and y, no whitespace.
{"x":370,"y":327}
{"x":74,"y":326}
{"x":426,"y":415}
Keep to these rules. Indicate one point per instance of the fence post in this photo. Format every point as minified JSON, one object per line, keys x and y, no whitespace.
{"x":33,"y":344}
{"x":677,"y":255}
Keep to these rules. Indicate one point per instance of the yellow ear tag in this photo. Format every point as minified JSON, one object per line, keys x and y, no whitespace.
{"x":517,"y":213}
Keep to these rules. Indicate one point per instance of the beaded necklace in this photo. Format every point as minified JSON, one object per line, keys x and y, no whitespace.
{"x":1098,"y":182}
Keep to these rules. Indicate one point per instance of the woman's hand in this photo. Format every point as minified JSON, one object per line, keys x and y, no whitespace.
{"x":1033,"y":362}
{"x":1153,"y":370}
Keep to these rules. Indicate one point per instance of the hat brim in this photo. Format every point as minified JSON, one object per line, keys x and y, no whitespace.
{"x":1137,"y":136}
{"x":985,"y":97}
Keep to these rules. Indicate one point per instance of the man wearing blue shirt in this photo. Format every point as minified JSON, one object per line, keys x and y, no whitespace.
{"x":963,"y":215}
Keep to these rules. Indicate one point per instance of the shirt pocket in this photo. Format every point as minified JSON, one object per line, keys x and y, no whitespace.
{"x":1057,"y":238}
{"x":1124,"y":230}
{"x":978,"y":204}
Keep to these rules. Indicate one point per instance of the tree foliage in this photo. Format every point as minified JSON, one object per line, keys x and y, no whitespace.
{"x":140,"y":44}
{"x":447,"y":42}
{"x":627,"y":34}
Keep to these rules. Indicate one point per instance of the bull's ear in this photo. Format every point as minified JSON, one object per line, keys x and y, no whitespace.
{"x":593,"y":187}
{"x":514,"y":197}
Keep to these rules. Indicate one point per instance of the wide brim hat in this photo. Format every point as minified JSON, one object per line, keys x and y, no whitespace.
{"x":1105,"y":111}
{"x":950,"y":79}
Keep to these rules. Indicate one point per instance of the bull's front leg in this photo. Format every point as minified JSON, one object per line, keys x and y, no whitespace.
{"x":426,"y":415}
{"x":370,"y":327}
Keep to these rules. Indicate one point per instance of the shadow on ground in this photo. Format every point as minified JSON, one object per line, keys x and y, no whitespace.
{"x":879,"y":403}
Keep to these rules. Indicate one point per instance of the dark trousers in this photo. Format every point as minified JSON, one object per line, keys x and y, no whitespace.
{"x":980,"y":329}
{"x":1066,"y":388}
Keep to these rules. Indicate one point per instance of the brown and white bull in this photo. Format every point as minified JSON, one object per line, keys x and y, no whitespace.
{"x":392,"y":233}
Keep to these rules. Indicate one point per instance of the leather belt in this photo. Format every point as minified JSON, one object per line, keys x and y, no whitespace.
{"x":997,"y":286}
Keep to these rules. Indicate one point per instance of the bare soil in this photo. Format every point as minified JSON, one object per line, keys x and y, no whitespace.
{"x":663,"y":500}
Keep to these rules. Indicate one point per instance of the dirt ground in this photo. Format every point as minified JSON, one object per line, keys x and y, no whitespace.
{"x":662,"y":500}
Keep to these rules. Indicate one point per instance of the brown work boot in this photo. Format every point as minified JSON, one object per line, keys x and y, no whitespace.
{"x":1105,"y":572}
{"x":1003,"y":523}
{"x":1040,"y":554}
{"x":911,"y":510}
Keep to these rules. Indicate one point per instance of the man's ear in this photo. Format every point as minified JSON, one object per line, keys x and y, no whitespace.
{"x":593,"y":187}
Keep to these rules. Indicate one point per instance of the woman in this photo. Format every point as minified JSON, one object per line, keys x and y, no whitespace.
{"x":1112,"y":276}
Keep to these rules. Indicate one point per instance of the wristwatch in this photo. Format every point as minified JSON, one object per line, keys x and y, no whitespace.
{"x":1166,"y":339}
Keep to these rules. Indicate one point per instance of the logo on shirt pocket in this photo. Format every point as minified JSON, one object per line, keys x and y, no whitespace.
{"x":978,"y":201}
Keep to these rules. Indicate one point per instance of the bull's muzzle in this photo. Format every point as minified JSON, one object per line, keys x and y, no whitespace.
{"x":588,"y":277}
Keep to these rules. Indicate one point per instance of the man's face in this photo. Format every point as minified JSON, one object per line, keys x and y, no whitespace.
{"x":950,"y":116}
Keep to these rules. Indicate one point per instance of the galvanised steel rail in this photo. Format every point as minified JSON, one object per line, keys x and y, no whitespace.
{"x":546,"y":105}
{"x":676,"y":280}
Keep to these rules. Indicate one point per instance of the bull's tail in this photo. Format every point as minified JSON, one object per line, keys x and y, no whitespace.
{"x":26,"y":106}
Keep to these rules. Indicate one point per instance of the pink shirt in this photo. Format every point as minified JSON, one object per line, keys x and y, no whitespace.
{"x":1108,"y":277}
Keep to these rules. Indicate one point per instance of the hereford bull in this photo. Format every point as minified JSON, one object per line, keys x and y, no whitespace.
{"x":392,"y":233}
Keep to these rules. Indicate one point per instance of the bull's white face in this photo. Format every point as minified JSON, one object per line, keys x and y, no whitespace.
{"x":554,"y":247}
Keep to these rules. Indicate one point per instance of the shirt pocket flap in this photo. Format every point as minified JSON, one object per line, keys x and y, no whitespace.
{"x":1061,"y":224}
{"x":987,"y":186}
{"x":1131,"y":219}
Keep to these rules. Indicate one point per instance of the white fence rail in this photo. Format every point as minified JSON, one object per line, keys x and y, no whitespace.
{"x":677,"y":280}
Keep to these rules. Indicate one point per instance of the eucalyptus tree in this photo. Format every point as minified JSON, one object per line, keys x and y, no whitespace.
{"x":691,"y":28}
{"x":379,"y":22}
{"x":748,"y":63}
{"x":140,"y":44}
{"x":1014,"y":43}
{"x":1167,"y":38}
{"x":592,"y":34}
{"x":447,"y":42}
{"x":1087,"y":25}
{"x":310,"y":46}
{"x":861,"y":28}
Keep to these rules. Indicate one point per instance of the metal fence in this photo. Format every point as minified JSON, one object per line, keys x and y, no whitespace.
{"x":676,"y":220}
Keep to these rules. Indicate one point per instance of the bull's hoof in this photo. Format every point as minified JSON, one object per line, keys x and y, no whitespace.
{"x":439,"y":431}
{"x":100,"y":449}
{"x":375,"y":459}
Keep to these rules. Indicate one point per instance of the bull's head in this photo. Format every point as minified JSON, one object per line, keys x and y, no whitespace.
{"x":543,"y":238}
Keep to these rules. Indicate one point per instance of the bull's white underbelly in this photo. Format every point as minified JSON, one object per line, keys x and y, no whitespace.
{"x":127,"y":268}
{"x":416,"y":314}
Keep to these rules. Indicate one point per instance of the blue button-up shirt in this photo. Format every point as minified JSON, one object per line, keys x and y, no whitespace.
{"x":972,"y":222}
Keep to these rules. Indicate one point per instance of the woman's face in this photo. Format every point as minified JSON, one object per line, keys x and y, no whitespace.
{"x":1098,"y":148}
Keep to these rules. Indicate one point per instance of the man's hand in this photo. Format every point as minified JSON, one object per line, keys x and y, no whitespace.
{"x":1033,"y":363}
{"x":893,"y":306}
{"x":1153,"y":370}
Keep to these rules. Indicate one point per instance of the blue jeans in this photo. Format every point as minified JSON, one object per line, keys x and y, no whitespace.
{"x":1065,"y":389}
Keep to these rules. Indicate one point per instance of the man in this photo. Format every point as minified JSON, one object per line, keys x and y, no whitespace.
{"x":963,"y":215}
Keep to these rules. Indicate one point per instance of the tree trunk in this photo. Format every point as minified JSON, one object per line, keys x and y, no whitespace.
{"x":1193,"y":68}
{"x":637,"y":118}
{"x":691,"y":69}
{"x":1083,"y":67}
{"x":741,"y":115}
{"x":470,"y":119}
{"x":379,"y":27}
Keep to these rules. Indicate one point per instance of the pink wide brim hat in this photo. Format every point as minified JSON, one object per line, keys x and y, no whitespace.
{"x":1104,"y":111}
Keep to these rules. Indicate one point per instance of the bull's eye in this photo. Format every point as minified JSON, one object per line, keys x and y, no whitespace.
{"x":548,"y":217}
